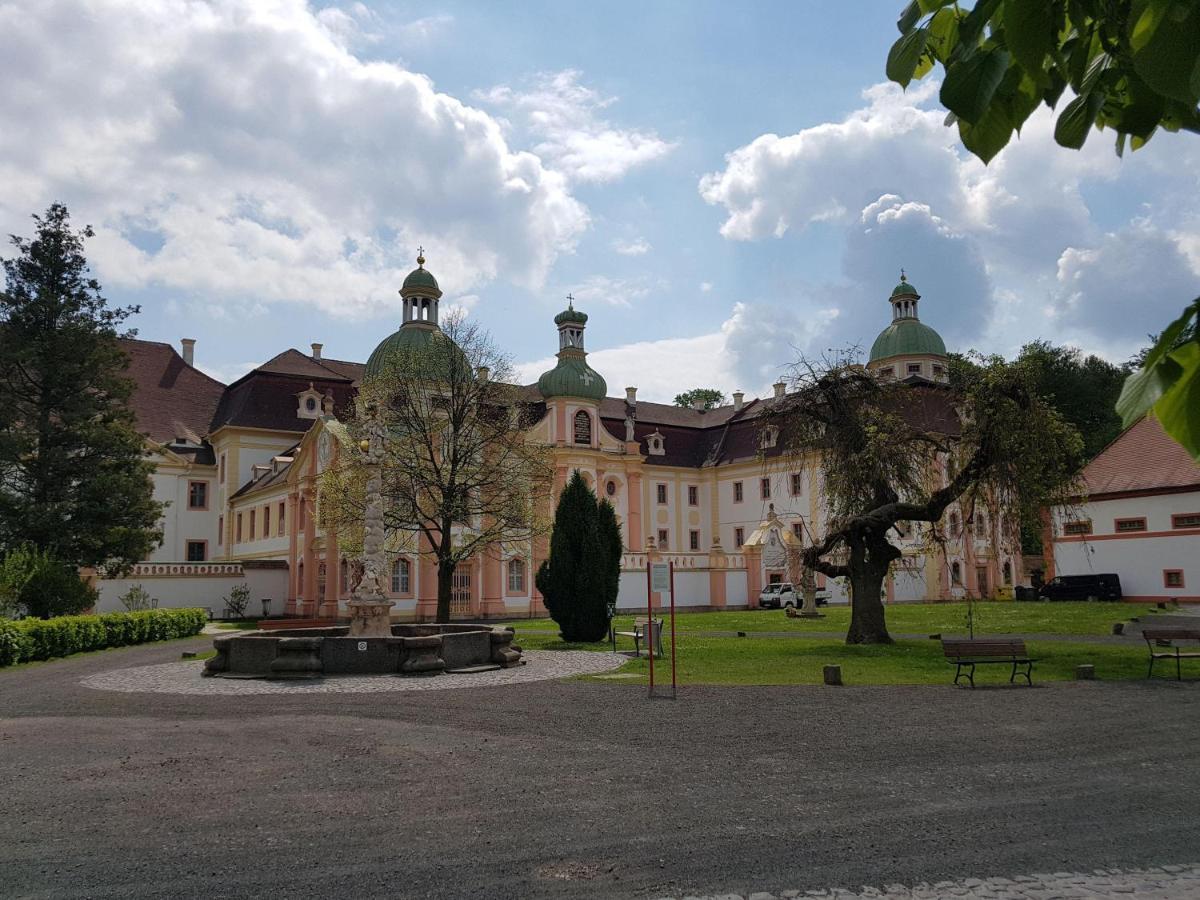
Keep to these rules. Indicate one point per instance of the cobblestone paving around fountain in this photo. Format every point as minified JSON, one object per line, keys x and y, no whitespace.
{"x":184,"y":677}
{"x":1154,"y":883}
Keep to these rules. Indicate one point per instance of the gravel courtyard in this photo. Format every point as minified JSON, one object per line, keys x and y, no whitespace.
{"x":568,"y":788}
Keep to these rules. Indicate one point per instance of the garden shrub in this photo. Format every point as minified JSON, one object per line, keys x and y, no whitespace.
{"x":137,"y":598}
{"x":22,"y":640}
{"x":49,"y":586}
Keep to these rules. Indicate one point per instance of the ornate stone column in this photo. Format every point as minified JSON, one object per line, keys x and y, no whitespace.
{"x":370,"y":608}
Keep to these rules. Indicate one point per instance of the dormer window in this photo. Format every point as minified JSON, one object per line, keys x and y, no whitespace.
{"x":309,"y":404}
{"x":655,"y":445}
{"x":769,"y":437}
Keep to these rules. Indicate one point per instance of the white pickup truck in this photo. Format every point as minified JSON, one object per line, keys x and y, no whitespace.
{"x":783,"y":594}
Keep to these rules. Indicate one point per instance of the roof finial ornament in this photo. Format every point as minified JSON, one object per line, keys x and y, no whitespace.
{"x":902,"y":275}
{"x":421,"y":257}
{"x":570,"y":301}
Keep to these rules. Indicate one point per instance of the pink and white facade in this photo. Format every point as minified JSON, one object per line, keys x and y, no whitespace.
{"x":691,"y":486}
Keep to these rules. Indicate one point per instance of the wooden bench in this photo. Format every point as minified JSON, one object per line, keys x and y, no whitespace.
{"x":1163,"y":639}
{"x":968,"y":654}
{"x":639,"y":636}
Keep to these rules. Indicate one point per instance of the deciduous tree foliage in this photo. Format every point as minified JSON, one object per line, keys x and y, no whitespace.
{"x":891,"y":452}
{"x":710,"y":397}
{"x":579,"y":579}
{"x":1133,"y":66}
{"x":73,"y":479}
{"x":459,"y":475}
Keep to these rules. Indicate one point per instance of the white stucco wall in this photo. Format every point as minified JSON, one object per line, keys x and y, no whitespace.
{"x":1139,"y":558}
{"x":199,"y":590}
{"x":180,"y":524}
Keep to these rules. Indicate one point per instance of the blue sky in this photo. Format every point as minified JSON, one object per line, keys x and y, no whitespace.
{"x":722,"y":186}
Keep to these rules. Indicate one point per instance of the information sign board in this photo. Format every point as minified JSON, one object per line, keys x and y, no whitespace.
{"x":660,"y":578}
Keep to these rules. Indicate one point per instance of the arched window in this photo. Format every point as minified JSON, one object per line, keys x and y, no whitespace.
{"x":583,"y":428}
{"x":955,"y":573}
{"x":1008,"y":572}
{"x":953,"y":524}
{"x":516,"y":576}
{"x":401,"y":577}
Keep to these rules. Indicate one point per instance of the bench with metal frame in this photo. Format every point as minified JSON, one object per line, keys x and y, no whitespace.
{"x":1164,"y":639}
{"x":967,"y":654}
{"x":639,"y":636}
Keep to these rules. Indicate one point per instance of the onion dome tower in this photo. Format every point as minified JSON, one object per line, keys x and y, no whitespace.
{"x":573,"y":389}
{"x":908,"y":348}
{"x":421,"y":294}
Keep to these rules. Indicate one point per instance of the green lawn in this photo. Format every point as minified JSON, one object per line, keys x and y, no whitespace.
{"x":750,"y":660}
{"x":239,"y":625}
{"x":919,"y":618}
{"x":706,"y":659}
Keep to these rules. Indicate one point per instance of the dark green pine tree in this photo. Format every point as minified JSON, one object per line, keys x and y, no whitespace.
{"x":574,"y":580}
{"x":610,"y":534}
{"x":73,"y":478}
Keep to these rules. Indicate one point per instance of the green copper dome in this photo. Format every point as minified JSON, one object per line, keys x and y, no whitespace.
{"x":571,"y":314}
{"x":904,"y":288}
{"x":907,"y":337}
{"x":573,"y":377}
{"x":411,"y":338}
{"x":420,"y":277}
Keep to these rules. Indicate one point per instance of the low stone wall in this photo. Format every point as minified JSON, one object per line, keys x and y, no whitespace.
{"x":313,"y":652}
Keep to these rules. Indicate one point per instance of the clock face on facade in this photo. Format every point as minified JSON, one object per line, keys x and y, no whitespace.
{"x":324,"y":450}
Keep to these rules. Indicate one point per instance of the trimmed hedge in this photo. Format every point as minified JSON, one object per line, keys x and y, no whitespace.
{"x":22,"y":640}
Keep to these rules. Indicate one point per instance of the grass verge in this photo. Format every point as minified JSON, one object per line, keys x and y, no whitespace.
{"x":991,"y":617}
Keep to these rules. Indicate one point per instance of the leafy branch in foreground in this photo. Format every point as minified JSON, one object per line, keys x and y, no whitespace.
{"x":1130,"y":64}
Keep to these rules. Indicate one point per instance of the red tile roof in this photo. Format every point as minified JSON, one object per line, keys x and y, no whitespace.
{"x":1143,"y":458}
{"x":171,"y":399}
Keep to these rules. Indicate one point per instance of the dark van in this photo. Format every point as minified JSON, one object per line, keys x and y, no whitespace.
{"x":1082,"y":587}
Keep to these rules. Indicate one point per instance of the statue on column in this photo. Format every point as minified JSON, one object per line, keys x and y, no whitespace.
{"x":370,"y":610}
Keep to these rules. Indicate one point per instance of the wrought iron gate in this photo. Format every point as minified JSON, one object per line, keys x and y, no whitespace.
{"x":460,"y":590}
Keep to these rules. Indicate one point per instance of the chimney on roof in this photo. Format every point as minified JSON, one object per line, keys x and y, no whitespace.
{"x":698,"y":406}
{"x":738,"y":397}
{"x":482,"y":373}
{"x":189,"y":349}
{"x":316,"y":354}
{"x":631,"y":395}
{"x":780,"y":389}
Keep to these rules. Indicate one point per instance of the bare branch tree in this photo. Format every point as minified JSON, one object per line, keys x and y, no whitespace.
{"x":460,"y":476}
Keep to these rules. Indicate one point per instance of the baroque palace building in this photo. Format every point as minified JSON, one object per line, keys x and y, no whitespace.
{"x":708,"y":490}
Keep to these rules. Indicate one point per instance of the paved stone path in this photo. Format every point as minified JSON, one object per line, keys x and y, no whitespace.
{"x":185,"y":678}
{"x":1158,"y":883}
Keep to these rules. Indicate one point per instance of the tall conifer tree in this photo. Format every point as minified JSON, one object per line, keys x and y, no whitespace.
{"x":73,"y":478}
{"x":576,"y":580}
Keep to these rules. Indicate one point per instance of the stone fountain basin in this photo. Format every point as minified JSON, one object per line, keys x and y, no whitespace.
{"x":314,"y":652}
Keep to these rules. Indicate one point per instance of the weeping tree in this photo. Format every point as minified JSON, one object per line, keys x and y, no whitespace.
{"x":459,"y":476}
{"x":579,"y":580}
{"x":891,"y":453}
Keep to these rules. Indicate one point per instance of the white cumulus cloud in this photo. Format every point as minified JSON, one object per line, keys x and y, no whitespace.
{"x":636,"y":247}
{"x":566,"y":117}
{"x":240,"y":148}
